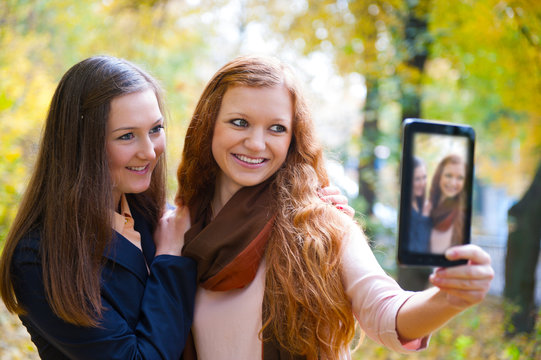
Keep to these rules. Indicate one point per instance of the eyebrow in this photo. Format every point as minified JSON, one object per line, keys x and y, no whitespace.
{"x":131,"y":127}
{"x":243,"y":115}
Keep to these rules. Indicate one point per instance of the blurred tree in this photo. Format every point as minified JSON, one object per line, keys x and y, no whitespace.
{"x":493,"y":80}
{"x":416,"y":42}
{"x":40,"y":40}
{"x":358,"y":35}
{"x":523,"y":247}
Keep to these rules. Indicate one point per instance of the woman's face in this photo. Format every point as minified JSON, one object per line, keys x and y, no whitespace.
{"x":135,"y":141}
{"x":419,"y":181}
{"x":452,"y":179}
{"x":252,"y":135}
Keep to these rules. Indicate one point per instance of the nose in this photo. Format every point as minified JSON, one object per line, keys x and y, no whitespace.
{"x":146,"y":149}
{"x":255,"y":140}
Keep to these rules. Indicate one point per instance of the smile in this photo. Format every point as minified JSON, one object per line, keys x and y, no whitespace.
{"x":137,"y":168}
{"x":254,"y":161}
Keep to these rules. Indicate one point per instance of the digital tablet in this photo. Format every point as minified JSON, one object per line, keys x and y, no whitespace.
{"x":435,"y":192}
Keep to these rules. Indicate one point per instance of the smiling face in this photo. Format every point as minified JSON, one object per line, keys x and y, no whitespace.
{"x":135,"y":141}
{"x":452,"y":179}
{"x":251,"y":136}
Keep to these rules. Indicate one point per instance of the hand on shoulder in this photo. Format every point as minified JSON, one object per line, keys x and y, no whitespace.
{"x":169,"y":235}
{"x":332,"y":195}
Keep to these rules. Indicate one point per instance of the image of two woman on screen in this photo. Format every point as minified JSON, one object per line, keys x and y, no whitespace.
{"x":438,"y":204}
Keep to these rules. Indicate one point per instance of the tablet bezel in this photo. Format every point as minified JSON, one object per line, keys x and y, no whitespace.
{"x":411,"y":127}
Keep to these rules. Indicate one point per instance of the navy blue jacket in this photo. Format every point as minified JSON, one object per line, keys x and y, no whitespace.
{"x":146,"y":316}
{"x":420,"y":229}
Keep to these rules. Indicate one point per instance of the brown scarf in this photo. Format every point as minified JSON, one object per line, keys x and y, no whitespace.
{"x":229,"y":248}
{"x":448,"y":213}
{"x":445,"y":214}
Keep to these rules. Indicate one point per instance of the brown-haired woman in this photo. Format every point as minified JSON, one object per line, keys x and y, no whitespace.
{"x":79,"y":265}
{"x":281,"y":275}
{"x":448,"y":201}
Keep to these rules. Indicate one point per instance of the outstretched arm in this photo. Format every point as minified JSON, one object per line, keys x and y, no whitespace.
{"x":456,"y":289}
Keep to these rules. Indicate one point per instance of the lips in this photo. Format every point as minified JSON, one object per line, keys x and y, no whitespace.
{"x":139,"y":169}
{"x":249,"y":160}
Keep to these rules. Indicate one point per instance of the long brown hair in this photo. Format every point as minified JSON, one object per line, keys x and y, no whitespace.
{"x":69,"y":197}
{"x":441,"y":208}
{"x":308,"y":310}
{"x":418,"y":200}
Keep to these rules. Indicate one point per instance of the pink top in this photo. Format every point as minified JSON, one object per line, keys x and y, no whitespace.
{"x":226,"y":323}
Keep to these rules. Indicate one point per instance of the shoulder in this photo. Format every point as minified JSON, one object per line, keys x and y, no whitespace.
{"x":28,"y":249}
{"x":354,"y":242}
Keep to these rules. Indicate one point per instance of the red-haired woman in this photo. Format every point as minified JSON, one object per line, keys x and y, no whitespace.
{"x":448,"y":200}
{"x":282,"y":275}
{"x":79,"y":264}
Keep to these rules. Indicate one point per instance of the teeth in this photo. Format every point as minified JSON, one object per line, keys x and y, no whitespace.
{"x":249,"y":160}
{"x":137,"y":168}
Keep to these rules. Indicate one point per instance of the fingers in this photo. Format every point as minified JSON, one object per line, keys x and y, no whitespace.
{"x":169,"y":235}
{"x":465,"y":285}
{"x":341,"y":203}
{"x":329,"y":190}
{"x":480,"y":281}
{"x":331,"y":194}
{"x":335,"y":199}
{"x":470,"y":252}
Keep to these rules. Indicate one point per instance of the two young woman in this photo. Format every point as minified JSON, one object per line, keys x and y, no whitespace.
{"x":282,"y":276}
{"x":80,"y":264}
{"x":438,"y":223}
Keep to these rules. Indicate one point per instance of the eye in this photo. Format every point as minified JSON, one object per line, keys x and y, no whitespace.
{"x":239,"y":122}
{"x":156,"y":129}
{"x":127,"y":136}
{"x":278,"y":128}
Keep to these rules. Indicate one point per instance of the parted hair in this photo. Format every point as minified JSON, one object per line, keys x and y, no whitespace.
{"x":69,"y":198}
{"x":308,"y":311}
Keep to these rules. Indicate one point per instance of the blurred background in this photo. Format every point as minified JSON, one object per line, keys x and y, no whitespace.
{"x":366,"y":65}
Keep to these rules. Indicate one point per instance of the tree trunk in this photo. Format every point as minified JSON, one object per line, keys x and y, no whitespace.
{"x":523,"y":245}
{"x":416,"y":41}
{"x":369,"y":140}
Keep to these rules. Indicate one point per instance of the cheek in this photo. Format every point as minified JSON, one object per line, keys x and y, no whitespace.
{"x":283,"y":149}
{"x":214,"y":149}
{"x":159,"y":148}
{"x":114,"y":157}
{"x":442,"y":181}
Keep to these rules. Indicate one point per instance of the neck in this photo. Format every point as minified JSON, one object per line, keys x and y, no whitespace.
{"x":222,"y":195}
{"x":116,"y":198}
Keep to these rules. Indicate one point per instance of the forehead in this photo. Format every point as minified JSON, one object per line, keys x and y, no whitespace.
{"x":454,"y":167}
{"x":134,"y":108}
{"x":274,"y":100}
